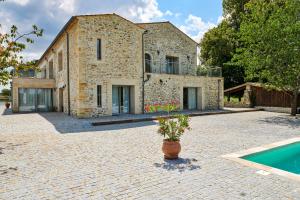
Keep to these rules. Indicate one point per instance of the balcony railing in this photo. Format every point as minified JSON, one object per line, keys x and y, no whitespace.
{"x":209,"y":71}
{"x":163,"y":67}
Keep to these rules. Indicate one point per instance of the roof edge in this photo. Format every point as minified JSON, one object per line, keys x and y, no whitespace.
{"x":70,"y":21}
{"x":56,"y":38}
{"x":168,"y":22}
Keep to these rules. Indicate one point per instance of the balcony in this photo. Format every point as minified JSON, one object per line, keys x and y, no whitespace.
{"x":164,"y":67}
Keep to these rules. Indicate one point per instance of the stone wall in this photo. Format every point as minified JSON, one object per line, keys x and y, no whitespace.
{"x":121,"y":62}
{"x":60,"y":77}
{"x":163,"y":88}
{"x":164,"y":39}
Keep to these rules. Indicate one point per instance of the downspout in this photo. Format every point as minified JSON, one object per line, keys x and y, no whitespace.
{"x":143,"y":67}
{"x":68,"y":74}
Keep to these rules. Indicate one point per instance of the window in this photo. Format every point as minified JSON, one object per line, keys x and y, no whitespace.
{"x":172,"y":65}
{"x":99,"y":99}
{"x":60,"y":61}
{"x":51,"y":69}
{"x":147,"y":63}
{"x":44,"y":72}
{"x":99,"y":52}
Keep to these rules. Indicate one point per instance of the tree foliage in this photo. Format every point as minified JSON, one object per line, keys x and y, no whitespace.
{"x":270,"y":36}
{"x":11,"y":45}
{"x":233,"y":10}
{"x":217,"y":49}
{"x":5,"y":92}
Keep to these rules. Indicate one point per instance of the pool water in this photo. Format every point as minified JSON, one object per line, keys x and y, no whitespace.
{"x":286,"y":157}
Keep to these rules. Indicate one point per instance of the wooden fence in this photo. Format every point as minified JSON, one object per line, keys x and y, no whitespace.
{"x":272,"y":98}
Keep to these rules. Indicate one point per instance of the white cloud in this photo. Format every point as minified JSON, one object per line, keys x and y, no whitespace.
{"x":168,"y":13}
{"x":20,"y":2}
{"x":196,"y":27}
{"x":143,"y":10}
{"x":67,"y":6}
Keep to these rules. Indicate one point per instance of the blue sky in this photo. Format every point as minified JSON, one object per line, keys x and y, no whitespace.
{"x":194,"y":17}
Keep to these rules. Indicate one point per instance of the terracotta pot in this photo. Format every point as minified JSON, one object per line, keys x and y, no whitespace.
{"x":7,"y":105}
{"x":171,"y":149}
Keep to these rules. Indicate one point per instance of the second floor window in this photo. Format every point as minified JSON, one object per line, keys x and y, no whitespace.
{"x":172,"y":65}
{"x":147,"y":63}
{"x":99,"y":50}
{"x":51,"y":69}
{"x":60,"y":61}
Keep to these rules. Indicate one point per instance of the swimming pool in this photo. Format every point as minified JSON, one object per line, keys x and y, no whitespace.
{"x":285,"y":157}
{"x":281,"y":158}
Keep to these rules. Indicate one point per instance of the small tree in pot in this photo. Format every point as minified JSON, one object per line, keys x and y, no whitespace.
{"x":171,"y":127}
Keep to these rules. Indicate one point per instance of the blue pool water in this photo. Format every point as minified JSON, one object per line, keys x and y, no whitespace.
{"x":286,"y":157}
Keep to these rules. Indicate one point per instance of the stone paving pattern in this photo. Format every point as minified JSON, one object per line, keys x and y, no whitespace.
{"x":52,"y":156}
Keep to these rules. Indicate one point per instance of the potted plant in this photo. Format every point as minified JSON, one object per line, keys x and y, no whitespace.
{"x":7,"y":105}
{"x":171,"y":127}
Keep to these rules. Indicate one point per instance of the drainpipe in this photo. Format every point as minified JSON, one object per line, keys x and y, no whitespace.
{"x":68,"y":74}
{"x":143,"y":85}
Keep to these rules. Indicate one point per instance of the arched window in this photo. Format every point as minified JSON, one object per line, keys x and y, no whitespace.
{"x":147,"y":63}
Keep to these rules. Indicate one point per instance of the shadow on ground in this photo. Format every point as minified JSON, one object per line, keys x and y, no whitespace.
{"x":180,"y":164}
{"x":67,"y":124}
{"x":282,"y":120}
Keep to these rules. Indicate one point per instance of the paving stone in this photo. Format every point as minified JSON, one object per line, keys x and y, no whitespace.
{"x":53,"y":156}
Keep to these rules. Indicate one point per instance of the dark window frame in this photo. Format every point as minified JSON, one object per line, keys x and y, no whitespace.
{"x":99,"y":95}
{"x":148,"y":63}
{"x":99,"y":49}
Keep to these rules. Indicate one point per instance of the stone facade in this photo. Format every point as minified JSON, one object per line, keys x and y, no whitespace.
{"x":121,"y":64}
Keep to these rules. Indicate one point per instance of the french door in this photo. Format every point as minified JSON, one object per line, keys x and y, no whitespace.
{"x":120,"y":99}
{"x":35,"y":100}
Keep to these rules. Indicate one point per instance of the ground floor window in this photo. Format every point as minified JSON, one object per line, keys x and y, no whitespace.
{"x":190,"y":98}
{"x":35,"y":100}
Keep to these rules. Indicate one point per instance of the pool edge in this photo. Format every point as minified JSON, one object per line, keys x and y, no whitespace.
{"x":236,"y":157}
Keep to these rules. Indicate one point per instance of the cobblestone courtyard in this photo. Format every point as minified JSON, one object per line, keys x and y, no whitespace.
{"x":52,"y":156}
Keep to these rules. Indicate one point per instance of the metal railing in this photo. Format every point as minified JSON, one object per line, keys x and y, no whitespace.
{"x":164,"y":67}
{"x":209,"y":71}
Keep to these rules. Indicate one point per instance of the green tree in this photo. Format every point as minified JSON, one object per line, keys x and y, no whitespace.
{"x":270,"y":34}
{"x":5,"y":92}
{"x":217,"y":48}
{"x":11,"y":45}
{"x":233,"y":10}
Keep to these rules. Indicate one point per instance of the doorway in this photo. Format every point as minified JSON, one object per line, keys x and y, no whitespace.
{"x":190,"y":98}
{"x":120,"y":99}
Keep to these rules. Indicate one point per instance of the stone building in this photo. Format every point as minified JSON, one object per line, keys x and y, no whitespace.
{"x":105,"y":64}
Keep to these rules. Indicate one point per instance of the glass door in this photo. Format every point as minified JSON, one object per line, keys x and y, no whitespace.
{"x":115,"y":100}
{"x":44,"y":100}
{"x":190,"y":98}
{"x":120,"y":99}
{"x":27,"y":100}
{"x":35,"y":100}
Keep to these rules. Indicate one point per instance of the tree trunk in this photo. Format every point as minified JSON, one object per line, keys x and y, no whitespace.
{"x":294,"y":103}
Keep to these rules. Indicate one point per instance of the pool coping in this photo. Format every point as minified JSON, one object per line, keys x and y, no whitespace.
{"x":237,"y":158}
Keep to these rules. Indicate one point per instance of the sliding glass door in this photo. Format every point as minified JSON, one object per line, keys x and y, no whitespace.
{"x":120,"y":99}
{"x":35,"y":100}
{"x":27,"y":100}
